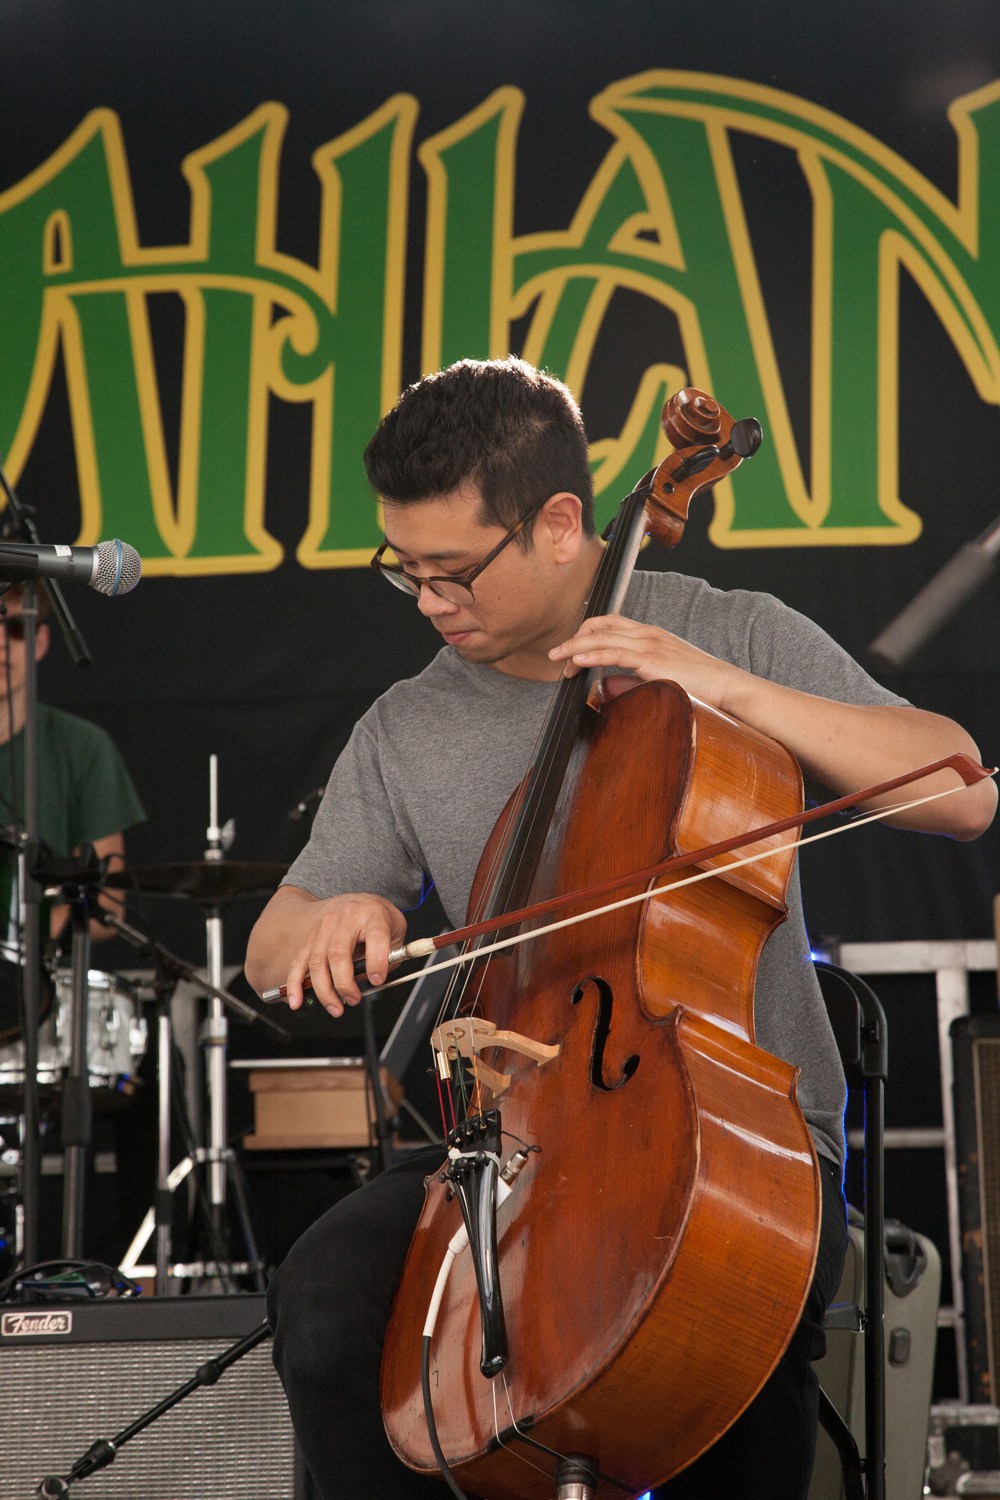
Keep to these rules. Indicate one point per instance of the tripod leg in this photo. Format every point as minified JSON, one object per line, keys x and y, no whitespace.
{"x":217,"y":1249}
{"x":238,"y":1179}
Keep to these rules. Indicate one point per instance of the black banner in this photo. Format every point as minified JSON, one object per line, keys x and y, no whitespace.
{"x":797,"y":209}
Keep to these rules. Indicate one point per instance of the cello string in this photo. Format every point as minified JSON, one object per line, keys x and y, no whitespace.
{"x":609,"y":586}
{"x":694,"y":879}
{"x":664,"y":890}
{"x":523,"y":1435}
{"x":555,"y":731}
{"x":554,"y":726}
{"x":543,"y":1448}
{"x":496,"y":1429}
{"x":562,"y":710}
{"x":444,"y":1117}
{"x":707,"y":874}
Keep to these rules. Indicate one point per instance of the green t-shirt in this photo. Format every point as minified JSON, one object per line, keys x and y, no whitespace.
{"x":84,"y":789}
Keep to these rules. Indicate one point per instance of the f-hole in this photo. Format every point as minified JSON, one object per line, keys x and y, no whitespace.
{"x":602,"y":1030}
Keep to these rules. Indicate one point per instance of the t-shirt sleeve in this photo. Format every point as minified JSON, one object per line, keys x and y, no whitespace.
{"x":104,"y":801}
{"x":355,"y":843}
{"x":791,"y":649}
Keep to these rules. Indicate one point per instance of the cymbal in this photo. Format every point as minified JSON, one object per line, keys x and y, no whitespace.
{"x":210,"y":882}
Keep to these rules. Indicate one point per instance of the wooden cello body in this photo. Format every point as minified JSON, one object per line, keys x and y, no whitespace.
{"x":657,"y":1250}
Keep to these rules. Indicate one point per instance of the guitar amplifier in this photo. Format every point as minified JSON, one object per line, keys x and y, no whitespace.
{"x":975,"y":1045}
{"x":72,"y":1374}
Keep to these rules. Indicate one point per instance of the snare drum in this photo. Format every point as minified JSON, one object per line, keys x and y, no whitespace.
{"x":116,"y":1044}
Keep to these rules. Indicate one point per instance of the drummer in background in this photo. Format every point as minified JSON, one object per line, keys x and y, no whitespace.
{"x":85,"y":793}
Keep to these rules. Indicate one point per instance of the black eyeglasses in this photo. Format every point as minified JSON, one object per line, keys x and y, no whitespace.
{"x":455,"y":590}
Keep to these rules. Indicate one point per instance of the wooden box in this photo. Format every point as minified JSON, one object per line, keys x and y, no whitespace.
{"x":300,"y":1107}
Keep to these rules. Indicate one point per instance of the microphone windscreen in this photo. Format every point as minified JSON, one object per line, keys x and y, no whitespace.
{"x":119,"y":568}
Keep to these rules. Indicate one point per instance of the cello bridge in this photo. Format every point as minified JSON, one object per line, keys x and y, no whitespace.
{"x":467,"y":1036}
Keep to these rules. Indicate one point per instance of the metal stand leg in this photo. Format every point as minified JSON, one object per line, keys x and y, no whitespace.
{"x":217,"y":1250}
{"x":239,"y":1183}
{"x":76,"y":1114}
{"x":106,"y":1450}
{"x":874,"y":1090}
{"x":216,"y":1038}
{"x":164,"y":1197}
{"x":952,"y":1002}
{"x":31,"y":895}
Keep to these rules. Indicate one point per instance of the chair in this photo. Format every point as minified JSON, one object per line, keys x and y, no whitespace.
{"x":859,"y":1026}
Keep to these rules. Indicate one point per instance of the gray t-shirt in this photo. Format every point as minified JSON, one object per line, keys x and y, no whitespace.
{"x":430,"y":766}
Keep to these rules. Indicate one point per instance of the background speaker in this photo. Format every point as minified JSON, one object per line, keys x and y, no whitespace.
{"x":71,"y":1374}
{"x":975,"y":1044}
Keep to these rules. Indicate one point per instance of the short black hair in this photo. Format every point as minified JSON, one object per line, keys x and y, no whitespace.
{"x":15,"y":593}
{"x":513,"y":431}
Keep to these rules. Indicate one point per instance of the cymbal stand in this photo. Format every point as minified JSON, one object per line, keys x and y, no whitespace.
{"x":164,"y":1207}
{"x":170,"y":968}
{"x":215,"y":1035}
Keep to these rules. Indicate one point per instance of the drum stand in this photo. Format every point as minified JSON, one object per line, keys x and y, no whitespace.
{"x":169,"y":969}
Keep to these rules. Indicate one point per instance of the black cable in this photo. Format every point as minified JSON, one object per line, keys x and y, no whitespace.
{"x":439,"y":1458}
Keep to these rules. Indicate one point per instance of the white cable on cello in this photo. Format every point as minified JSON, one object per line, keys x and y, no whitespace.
{"x":458,"y":1242}
{"x":474,"y":955}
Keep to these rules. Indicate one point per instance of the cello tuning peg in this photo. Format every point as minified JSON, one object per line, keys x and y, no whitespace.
{"x":744,"y":439}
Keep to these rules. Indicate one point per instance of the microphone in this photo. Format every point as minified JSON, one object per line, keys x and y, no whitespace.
{"x":307,"y":807}
{"x":110,"y":567}
{"x":943,"y":596}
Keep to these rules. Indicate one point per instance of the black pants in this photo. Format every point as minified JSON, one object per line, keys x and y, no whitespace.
{"x":329,"y":1305}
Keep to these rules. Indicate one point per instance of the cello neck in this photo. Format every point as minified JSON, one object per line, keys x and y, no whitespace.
{"x":543,"y":784}
{"x":695,"y":424}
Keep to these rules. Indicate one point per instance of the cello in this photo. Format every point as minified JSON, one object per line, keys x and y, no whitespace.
{"x":652,"y":1256}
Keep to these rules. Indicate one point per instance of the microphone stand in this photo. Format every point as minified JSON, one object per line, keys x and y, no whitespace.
{"x":943,"y":596}
{"x":31,"y":952}
{"x":19,"y":521}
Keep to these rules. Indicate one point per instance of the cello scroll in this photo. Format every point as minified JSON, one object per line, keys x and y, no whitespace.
{"x":708,"y":445}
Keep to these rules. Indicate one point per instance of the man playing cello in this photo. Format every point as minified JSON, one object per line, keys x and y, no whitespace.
{"x":488,"y":505}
